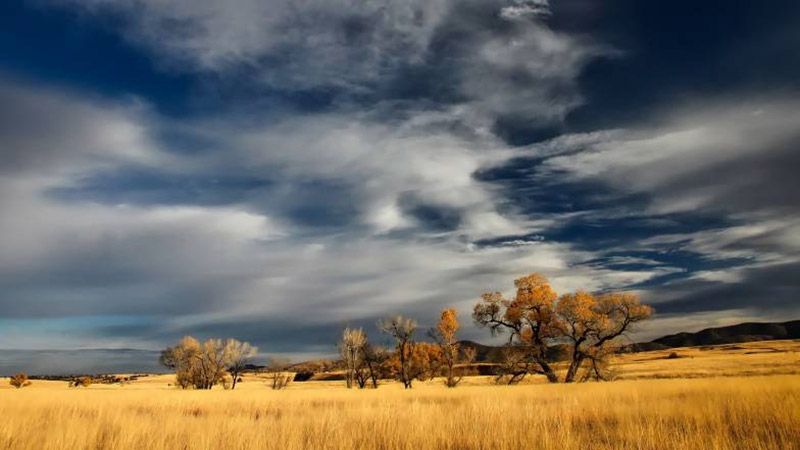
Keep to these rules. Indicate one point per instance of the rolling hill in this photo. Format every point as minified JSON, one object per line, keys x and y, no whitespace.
{"x":743,"y":332}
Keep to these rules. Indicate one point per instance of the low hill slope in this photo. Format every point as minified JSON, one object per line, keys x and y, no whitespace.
{"x":743,"y":332}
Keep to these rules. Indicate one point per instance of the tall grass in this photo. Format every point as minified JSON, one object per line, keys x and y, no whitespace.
{"x":714,"y":413}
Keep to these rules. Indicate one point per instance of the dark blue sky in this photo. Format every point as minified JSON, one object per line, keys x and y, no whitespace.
{"x":273,"y":171}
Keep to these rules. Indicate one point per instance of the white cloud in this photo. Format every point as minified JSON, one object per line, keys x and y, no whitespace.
{"x":745,"y":144}
{"x":198,"y":266}
{"x":340,"y":42}
{"x":526,"y":8}
{"x":57,"y":134}
{"x":361,"y":47}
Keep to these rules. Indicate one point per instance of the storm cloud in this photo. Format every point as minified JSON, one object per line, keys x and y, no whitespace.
{"x":274,"y":171}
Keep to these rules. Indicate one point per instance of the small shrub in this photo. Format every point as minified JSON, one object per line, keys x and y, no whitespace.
{"x":81,"y":382}
{"x":281,"y":379}
{"x":19,"y":380}
{"x":303,"y":376}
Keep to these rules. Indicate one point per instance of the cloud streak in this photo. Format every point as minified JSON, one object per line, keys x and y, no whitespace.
{"x":361,"y":160}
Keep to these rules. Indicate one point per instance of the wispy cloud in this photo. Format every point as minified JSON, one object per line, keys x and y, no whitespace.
{"x":365,"y":158}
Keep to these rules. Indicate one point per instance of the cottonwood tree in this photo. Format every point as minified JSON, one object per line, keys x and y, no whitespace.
{"x":590,"y":325}
{"x":239,"y":355}
{"x":402,"y":329}
{"x":451,"y":354}
{"x":537,"y":321}
{"x":351,"y":348}
{"x":529,"y":318}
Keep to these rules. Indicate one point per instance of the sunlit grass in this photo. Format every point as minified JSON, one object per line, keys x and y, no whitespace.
{"x":731,"y":412}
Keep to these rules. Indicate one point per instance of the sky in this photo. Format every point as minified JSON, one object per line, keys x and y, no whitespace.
{"x":275,"y":170}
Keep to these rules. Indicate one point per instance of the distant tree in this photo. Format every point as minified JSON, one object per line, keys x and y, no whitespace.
{"x":537,"y":320}
{"x":351,"y":349}
{"x":402,"y":330}
{"x":84,"y":381}
{"x":239,"y":355}
{"x":185,"y":359}
{"x":451,"y":354}
{"x":277,"y":373}
{"x":19,"y":380}
{"x":198,"y":365}
{"x":374,"y":366}
{"x":425,"y":361}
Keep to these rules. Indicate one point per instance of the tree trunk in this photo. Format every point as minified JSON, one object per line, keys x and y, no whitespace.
{"x":404,"y":366}
{"x":548,"y":372}
{"x":574,"y":366}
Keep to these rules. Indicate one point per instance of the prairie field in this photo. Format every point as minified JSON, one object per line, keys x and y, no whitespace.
{"x":743,"y":396}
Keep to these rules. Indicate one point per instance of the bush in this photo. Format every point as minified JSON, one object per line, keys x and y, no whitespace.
{"x":81,"y":382}
{"x":19,"y":380}
{"x":281,"y":379}
{"x":303,"y":376}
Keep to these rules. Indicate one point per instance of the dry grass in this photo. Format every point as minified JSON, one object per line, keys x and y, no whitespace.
{"x":732,"y":412}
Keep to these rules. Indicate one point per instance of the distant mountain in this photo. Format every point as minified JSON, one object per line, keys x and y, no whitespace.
{"x":743,"y":332}
{"x":79,"y":362}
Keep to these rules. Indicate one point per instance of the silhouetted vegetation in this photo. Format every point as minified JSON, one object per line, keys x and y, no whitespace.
{"x":19,"y":380}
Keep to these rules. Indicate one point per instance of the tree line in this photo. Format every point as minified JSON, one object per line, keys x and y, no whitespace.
{"x":579,"y":330}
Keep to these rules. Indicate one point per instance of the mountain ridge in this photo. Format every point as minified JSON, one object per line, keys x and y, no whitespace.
{"x":730,"y":334}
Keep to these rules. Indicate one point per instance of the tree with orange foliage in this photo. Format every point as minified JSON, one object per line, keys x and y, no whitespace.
{"x":444,"y":334}
{"x":537,"y":320}
{"x":530,"y":319}
{"x":426,"y":361}
{"x":590,"y":325}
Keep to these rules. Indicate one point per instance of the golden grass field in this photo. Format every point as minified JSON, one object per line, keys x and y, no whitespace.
{"x":745,"y":396}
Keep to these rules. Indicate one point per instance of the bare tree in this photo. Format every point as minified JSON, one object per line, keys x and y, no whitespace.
{"x":214,"y":361}
{"x":183,"y":359}
{"x":351,"y":348}
{"x":514,"y":364}
{"x":375,"y":359}
{"x":402,"y":330}
{"x":278,"y":375}
{"x":198,"y":365}
{"x":239,"y":355}
{"x":537,"y":320}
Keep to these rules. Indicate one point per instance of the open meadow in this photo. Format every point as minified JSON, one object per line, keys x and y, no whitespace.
{"x":743,"y":396}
